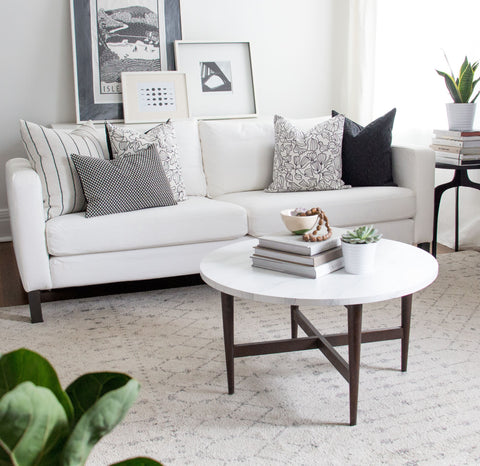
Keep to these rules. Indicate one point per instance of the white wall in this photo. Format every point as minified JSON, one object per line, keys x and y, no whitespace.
{"x":293,"y":48}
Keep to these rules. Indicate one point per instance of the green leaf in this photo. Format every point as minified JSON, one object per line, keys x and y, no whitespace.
{"x":88,"y":388}
{"x":475,"y":98}
{"x":138,"y":462}
{"x":465,"y":85}
{"x":33,"y":424}
{"x":451,"y":86}
{"x":24,"y":365}
{"x":98,"y":420}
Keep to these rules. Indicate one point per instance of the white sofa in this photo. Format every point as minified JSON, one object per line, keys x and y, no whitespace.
{"x":226,"y":164}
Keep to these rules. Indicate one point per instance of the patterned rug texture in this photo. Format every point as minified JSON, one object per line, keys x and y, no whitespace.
{"x":288,"y":408}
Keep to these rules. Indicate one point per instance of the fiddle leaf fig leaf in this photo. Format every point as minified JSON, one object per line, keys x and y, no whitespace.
{"x":88,"y":388}
{"x":24,"y":365}
{"x":140,"y":461}
{"x":98,"y":418}
{"x":33,"y":425}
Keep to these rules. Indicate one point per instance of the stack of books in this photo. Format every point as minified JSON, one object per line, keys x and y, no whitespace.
{"x":290,"y":254}
{"x":456,"y":147}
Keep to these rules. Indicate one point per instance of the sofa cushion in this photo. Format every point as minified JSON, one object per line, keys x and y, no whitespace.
{"x":48,"y":151}
{"x":307,"y":160}
{"x":125,"y":141}
{"x":238,"y":153}
{"x":345,"y":207}
{"x":196,"y":220}
{"x":122,"y":185}
{"x":367,"y":152}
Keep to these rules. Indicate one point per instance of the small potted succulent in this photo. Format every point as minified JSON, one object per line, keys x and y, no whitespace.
{"x":359,"y":247}
{"x":461,"y":112}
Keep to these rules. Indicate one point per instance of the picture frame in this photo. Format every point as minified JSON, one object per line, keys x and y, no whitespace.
{"x":150,"y":97}
{"x":105,"y":44}
{"x":219,"y":78}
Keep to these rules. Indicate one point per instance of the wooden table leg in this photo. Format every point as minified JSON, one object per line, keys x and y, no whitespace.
{"x":406,"y":315}
{"x":293,"y":310}
{"x":227,"y":315}
{"x":354,"y":343}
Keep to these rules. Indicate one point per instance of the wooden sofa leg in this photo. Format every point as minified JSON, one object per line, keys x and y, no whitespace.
{"x":35,"y":306}
{"x":424,"y":246}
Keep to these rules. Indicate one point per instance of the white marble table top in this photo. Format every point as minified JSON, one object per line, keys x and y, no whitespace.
{"x":400,"y":270}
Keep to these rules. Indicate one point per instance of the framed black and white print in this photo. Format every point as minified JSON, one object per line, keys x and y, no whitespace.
{"x":150,"y":96}
{"x":219,"y":78}
{"x":114,"y":36}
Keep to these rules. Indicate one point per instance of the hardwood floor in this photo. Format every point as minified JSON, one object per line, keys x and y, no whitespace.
{"x":12,"y":294}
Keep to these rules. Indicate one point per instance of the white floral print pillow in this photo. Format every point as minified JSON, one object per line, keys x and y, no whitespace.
{"x":307,"y":160}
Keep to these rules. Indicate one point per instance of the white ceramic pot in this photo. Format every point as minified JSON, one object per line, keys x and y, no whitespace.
{"x":461,"y":116}
{"x":359,"y":258}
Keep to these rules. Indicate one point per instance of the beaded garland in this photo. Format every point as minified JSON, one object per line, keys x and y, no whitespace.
{"x":322,"y":218}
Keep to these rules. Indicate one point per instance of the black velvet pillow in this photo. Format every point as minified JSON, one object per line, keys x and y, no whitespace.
{"x":367,"y":152}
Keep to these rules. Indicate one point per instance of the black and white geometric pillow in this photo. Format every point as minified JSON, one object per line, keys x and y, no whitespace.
{"x":307,"y":160}
{"x":122,"y":185}
{"x":126,"y":142}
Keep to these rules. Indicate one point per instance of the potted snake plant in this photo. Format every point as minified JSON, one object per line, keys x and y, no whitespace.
{"x":461,"y":113}
{"x":359,"y":248}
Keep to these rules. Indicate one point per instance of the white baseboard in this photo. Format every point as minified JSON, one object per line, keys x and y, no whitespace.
{"x":5,"y":233}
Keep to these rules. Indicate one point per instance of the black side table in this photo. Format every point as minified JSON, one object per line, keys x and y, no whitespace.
{"x":460,"y":178}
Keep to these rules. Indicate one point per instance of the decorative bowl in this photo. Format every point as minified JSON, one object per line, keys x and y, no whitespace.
{"x":298,"y":225}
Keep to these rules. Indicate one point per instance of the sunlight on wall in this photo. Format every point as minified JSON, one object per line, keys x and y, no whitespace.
{"x":411,"y":37}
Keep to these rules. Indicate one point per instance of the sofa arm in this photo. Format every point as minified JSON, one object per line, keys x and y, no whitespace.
{"x":27,"y":222}
{"x":414,"y":168}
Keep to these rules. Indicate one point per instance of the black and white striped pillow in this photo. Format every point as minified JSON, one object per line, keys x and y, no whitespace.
{"x":122,"y":185}
{"x":48,"y":151}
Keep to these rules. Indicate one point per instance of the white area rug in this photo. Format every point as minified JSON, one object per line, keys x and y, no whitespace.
{"x":288,"y":408}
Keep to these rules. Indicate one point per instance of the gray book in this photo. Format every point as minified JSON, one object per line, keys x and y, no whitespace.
{"x":295,"y":244}
{"x":312,"y":261}
{"x":298,"y":269}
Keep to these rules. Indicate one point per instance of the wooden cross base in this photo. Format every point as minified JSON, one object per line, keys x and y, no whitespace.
{"x":315,"y":340}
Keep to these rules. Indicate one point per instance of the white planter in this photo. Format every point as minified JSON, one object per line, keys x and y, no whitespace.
{"x":461,"y":116}
{"x":359,"y":258}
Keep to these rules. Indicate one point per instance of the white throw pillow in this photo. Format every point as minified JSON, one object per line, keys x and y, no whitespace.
{"x":237,"y":155}
{"x":125,"y":142}
{"x":48,"y":151}
{"x":308,"y":160}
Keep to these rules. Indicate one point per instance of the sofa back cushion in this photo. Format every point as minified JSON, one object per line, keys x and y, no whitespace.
{"x":238,"y":154}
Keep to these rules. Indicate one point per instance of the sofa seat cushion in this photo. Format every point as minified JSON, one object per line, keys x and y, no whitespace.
{"x":195,"y":220}
{"x":347,"y":207}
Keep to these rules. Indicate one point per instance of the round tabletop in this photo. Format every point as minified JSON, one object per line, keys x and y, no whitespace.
{"x":400,"y":270}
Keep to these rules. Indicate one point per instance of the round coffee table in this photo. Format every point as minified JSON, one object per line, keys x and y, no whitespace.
{"x":400,"y":271}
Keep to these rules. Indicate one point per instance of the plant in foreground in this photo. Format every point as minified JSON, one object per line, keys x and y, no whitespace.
{"x":41,"y":424}
{"x":362,"y":235}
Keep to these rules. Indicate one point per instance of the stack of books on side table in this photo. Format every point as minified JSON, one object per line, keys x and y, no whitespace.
{"x":290,"y":254}
{"x":456,"y":147}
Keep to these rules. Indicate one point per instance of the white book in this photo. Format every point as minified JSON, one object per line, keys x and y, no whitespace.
{"x":298,"y":269}
{"x":453,"y":134}
{"x":471,"y":142}
{"x":295,"y":243}
{"x":456,"y":161}
{"x":312,"y":261}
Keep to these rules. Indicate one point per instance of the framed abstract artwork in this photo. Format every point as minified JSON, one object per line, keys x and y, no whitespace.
{"x":114,"y":36}
{"x":219,"y":78}
{"x":150,"y":96}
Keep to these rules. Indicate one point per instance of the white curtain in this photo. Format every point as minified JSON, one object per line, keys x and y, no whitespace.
{"x":394,"y":47}
{"x":356,"y":99}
